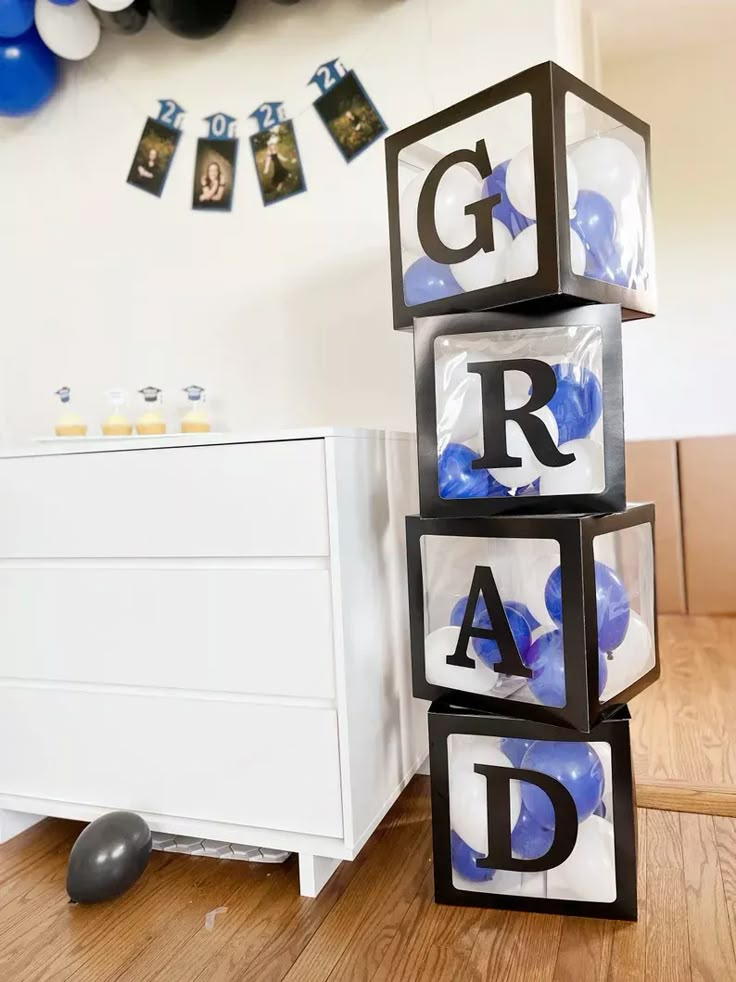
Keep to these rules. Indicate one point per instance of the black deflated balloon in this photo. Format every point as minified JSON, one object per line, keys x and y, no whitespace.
{"x":129,"y":20}
{"x":193,"y":18}
{"x":108,"y":857}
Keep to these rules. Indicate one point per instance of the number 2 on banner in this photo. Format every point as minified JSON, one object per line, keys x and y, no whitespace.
{"x":170,"y":113}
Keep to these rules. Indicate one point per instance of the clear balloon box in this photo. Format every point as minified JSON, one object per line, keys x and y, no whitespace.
{"x":519,"y":413}
{"x":545,"y":618}
{"x":528,"y":816}
{"x":533,"y":193}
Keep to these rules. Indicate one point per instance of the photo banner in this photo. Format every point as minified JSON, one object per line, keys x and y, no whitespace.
{"x":346,"y":109}
{"x":276,"y":154}
{"x":215,"y":162}
{"x":156,"y":148}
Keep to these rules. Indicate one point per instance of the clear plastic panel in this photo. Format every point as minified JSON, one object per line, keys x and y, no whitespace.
{"x":506,"y":132}
{"x":584,"y":769}
{"x":611,"y":215}
{"x":521,"y":569}
{"x":573,"y":417}
{"x":624,"y":573}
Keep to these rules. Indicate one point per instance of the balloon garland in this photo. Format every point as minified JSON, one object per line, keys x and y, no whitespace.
{"x":34,"y":34}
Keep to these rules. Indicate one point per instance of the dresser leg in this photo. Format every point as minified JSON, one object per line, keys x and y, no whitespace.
{"x":13,"y":823}
{"x":314,"y":872}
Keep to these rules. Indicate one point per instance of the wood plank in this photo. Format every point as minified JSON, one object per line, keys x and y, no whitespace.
{"x":684,"y":796}
{"x":711,"y":945}
{"x":515,"y":947}
{"x":628,"y":952}
{"x":426,"y":929}
{"x":725,"y":829}
{"x":585,"y":950}
{"x":667,"y":949}
{"x":664,"y":841}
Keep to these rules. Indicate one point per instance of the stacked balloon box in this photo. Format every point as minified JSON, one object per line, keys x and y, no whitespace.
{"x":532,"y":193}
{"x":531,"y":582}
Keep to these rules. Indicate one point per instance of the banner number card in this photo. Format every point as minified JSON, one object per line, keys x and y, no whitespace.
{"x":156,"y":148}
{"x":276,"y":154}
{"x":214,"y":168}
{"x":346,"y":109}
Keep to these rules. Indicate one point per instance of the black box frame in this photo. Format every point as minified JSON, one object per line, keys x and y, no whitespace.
{"x":554,"y":285}
{"x":575,"y":535}
{"x":607,"y":317}
{"x":446,"y":718}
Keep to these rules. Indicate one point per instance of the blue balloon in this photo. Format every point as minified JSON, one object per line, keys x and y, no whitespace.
{"x":456,"y":477}
{"x":515,"y":748}
{"x":464,"y":860}
{"x":16,"y":16}
{"x":547,"y":661}
{"x":595,"y":223}
{"x":553,"y":595}
{"x":529,"y":839}
{"x":613,"y":270}
{"x":486,"y":650}
{"x":522,"y":609}
{"x":576,"y":766}
{"x":612,"y":602}
{"x":504,"y":211}
{"x":602,"y":671}
{"x":427,"y":280}
{"x":600,"y":810}
{"x":577,"y":403}
{"x":29,"y":73}
{"x":529,"y":490}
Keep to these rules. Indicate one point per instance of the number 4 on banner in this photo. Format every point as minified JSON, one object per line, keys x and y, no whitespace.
{"x":276,"y":154}
{"x":214,"y":169}
{"x":345,"y":108}
{"x":156,"y":147}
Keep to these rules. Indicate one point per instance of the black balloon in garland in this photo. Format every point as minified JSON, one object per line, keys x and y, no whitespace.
{"x":193,"y":18}
{"x":129,"y":20}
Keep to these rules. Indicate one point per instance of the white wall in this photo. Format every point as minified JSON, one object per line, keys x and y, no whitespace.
{"x":679,"y":367}
{"x":282,"y":313}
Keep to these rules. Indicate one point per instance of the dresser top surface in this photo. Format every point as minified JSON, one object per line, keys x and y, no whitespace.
{"x":54,"y":446}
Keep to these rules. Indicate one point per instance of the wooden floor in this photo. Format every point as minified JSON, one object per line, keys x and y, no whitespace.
{"x":375,"y":920}
{"x":684,"y":729}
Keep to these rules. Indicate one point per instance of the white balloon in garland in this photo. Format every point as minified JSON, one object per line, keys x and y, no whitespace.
{"x":111,"y":6}
{"x":70,"y":31}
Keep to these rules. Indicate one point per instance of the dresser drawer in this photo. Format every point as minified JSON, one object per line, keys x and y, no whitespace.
{"x":274,"y":767}
{"x":205,"y":625}
{"x":254,"y":499}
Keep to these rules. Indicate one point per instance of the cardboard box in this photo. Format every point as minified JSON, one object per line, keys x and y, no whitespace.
{"x":652,"y":474}
{"x":709,"y":523}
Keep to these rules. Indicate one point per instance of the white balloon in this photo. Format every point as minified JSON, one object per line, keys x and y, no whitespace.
{"x":522,"y":258}
{"x":633,"y":658}
{"x":608,"y":166}
{"x":111,"y":5}
{"x":586,"y":474}
{"x":518,"y":446}
{"x":71,"y":32}
{"x":441,"y":643}
{"x":468,"y":790}
{"x":577,"y":253}
{"x":486,"y":269}
{"x":590,"y":871}
{"x":457,"y":189}
{"x":520,"y":187}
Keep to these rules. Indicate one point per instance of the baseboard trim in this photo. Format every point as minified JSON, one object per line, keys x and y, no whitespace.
{"x":683,"y":796}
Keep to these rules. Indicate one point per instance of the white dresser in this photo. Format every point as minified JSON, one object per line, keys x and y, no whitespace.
{"x":212,"y":632}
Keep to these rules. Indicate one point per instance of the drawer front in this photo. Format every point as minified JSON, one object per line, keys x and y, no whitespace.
{"x":269,"y":766}
{"x":253,"y":499}
{"x":209,"y":627}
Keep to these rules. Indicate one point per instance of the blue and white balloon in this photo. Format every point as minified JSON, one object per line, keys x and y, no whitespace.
{"x":70,"y":31}
{"x":425,"y":280}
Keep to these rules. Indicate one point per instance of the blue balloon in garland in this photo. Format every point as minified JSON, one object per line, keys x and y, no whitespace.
{"x":425,"y":280}
{"x":29,"y":73}
{"x":529,"y":839}
{"x":456,"y":477}
{"x":464,"y":860}
{"x":595,"y":223}
{"x":16,"y":17}
{"x":577,"y":403}
{"x":576,"y":766}
{"x":504,"y":211}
